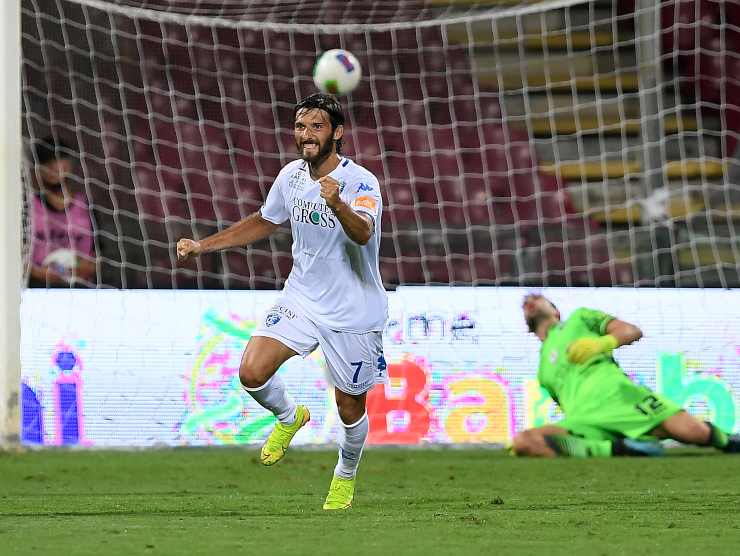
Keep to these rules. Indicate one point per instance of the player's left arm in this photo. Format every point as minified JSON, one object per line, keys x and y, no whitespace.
{"x":357,"y":225}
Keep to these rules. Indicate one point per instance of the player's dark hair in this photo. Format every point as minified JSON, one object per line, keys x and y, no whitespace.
{"x":48,"y":149}
{"x":327,"y":103}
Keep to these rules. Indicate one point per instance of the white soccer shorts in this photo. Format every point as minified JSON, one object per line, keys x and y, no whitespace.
{"x":355,"y":361}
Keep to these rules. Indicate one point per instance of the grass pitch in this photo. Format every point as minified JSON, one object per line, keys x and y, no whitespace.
{"x":222,"y":501}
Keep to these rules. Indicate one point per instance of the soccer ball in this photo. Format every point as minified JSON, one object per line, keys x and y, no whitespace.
{"x":63,"y":262}
{"x":337,"y":72}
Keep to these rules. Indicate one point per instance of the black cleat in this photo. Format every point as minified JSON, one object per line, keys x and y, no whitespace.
{"x":718,"y":437}
{"x":733,"y":444}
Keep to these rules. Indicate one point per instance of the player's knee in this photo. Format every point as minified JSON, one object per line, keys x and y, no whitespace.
{"x":250,"y":375}
{"x":350,"y":408}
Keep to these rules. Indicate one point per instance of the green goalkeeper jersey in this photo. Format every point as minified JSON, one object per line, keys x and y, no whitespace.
{"x":565,"y":381}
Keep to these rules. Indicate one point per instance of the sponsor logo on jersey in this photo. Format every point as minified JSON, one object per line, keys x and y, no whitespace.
{"x":363,"y":187}
{"x":365,"y":201}
{"x":309,"y":212}
{"x":342,"y":185}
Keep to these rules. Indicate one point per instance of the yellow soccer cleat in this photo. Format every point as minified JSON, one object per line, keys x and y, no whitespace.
{"x":340,"y":494}
{"x":277,"y":443}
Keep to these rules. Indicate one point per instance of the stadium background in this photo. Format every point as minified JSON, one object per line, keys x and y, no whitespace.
{"x":532,"y":144}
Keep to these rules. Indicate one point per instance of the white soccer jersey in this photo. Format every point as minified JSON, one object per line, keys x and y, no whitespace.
{"x":333,"y":278}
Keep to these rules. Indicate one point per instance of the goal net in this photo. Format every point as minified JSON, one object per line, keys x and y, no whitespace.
{"x":516,"y":142}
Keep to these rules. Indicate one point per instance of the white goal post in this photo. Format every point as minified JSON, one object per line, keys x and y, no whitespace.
{"x":10,"y":221}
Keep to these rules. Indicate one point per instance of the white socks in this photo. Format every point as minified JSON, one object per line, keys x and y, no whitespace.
{"x":350,"y":447}
{"x":275,"y":398}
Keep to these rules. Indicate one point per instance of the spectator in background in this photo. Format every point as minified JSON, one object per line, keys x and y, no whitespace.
{"x":62,"y":251}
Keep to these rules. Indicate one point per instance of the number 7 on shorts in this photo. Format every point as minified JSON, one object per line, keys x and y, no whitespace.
{"x":357,"y":365}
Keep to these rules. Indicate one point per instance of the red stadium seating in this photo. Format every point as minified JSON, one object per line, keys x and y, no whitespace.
{"x":445,"y":158}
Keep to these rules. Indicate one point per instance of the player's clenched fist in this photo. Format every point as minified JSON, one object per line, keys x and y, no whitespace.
{"x":187,"y":248}
{"x":330,"y":191}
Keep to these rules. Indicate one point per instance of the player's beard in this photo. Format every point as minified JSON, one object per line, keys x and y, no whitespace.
{"x":534,"y":320}
{"x":322,"y":153}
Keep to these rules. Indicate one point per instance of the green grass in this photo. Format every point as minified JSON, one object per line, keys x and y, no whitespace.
{"x":222,"y":502}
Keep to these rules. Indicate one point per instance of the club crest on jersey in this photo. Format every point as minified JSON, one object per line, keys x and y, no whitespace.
{"x":553,"y":356}
{"x":363,"y":187}
{"x":272,"y":319}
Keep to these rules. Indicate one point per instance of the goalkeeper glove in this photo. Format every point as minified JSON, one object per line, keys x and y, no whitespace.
{"x":584,"y":349}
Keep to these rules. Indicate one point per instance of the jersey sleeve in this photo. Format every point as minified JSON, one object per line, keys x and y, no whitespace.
{"x":274,"y":209}
{"x":366,"y":197}
{"x":595,"y":320}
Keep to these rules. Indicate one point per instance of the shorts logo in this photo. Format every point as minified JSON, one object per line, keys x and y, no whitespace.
{"x":277,"y":312}
{"x":272,"y":319}
{"x":363,"y":187}
{"x":367,"y":202}
{"x":381,"y":367}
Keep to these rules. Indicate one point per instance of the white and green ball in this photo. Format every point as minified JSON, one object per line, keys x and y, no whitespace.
{"x":337,"y":72}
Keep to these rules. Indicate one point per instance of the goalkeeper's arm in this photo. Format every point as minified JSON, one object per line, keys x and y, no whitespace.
{"x":248,"y":230}
{"x":618,"y":333}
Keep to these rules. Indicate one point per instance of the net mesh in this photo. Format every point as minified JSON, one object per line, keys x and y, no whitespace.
{"x":529,"y":143}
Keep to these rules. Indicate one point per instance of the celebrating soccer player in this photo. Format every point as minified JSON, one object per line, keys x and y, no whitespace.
{"x":333,"y":298}
{"x":606,"y":414}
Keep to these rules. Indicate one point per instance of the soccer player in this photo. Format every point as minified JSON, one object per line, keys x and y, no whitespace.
{"x":333,"y":298}
{"x":606,"y":414}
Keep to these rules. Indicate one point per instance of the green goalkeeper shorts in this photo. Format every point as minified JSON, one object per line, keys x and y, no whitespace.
{"x":618,"y":409}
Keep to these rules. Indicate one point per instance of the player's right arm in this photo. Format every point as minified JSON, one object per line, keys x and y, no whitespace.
{"x":624,"y":332}
{"x":613,"y":334}
{"x":248,"y":230}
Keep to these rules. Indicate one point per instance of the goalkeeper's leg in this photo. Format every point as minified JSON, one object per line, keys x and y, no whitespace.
{"x":690,"y":430}
{"x":579,"y":440}
{"x":552,"y":441}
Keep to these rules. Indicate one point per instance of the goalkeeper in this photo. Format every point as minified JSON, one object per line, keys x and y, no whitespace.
{"x":606,"y":414}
